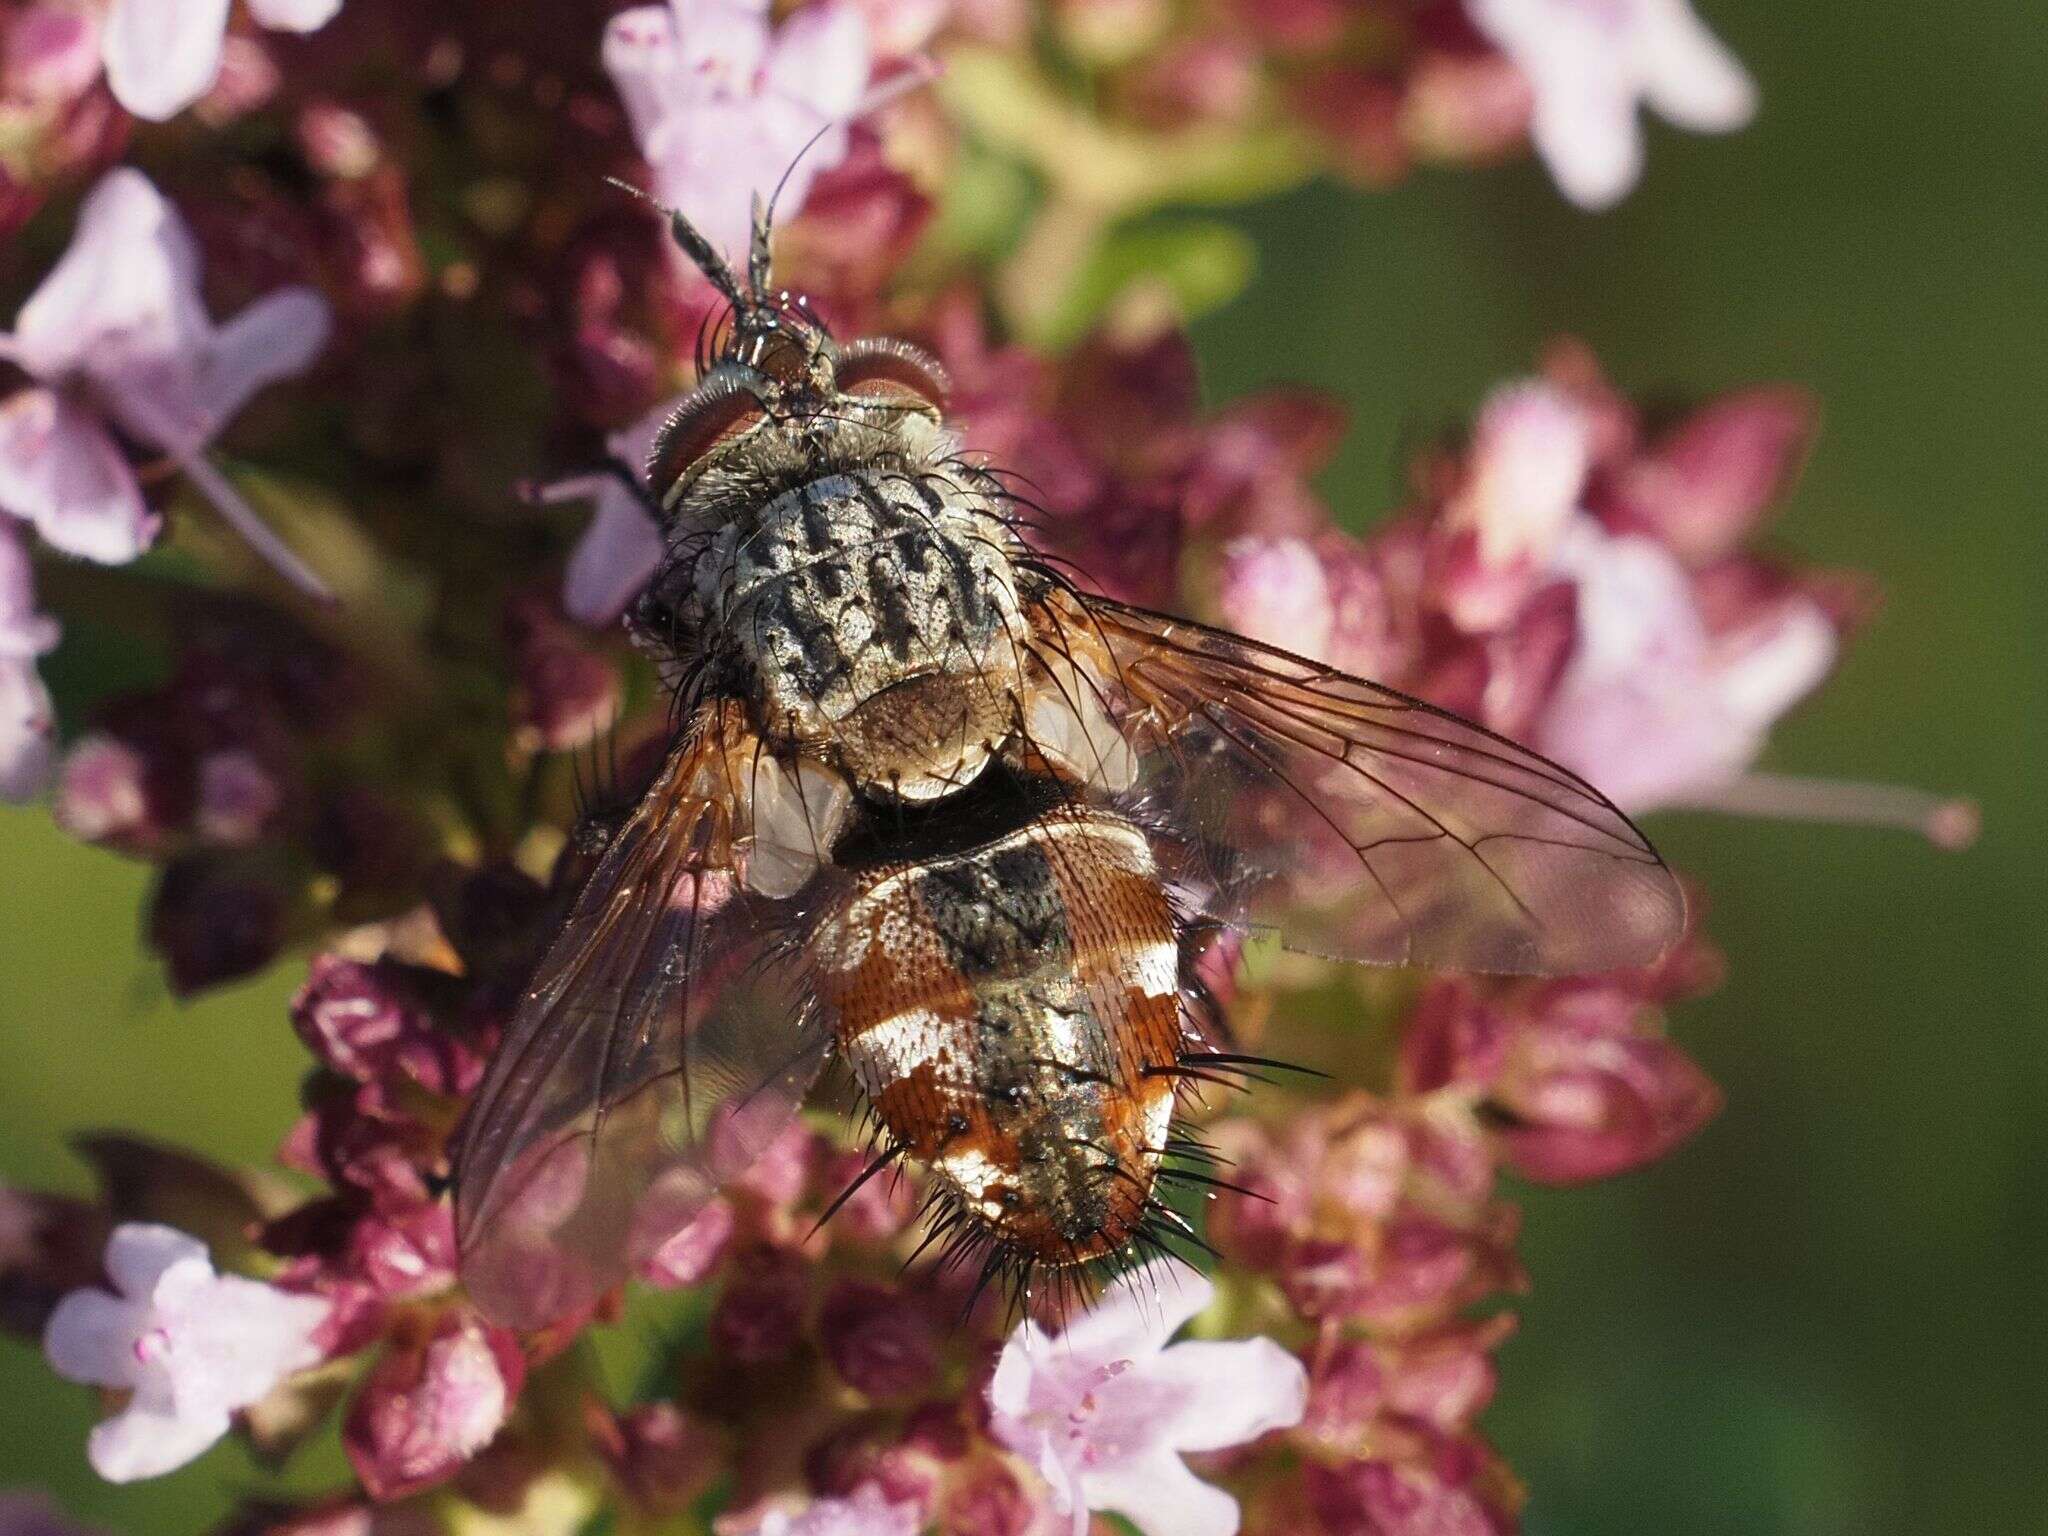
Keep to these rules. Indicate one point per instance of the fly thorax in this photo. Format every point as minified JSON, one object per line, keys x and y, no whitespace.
{"x":876,"y":615}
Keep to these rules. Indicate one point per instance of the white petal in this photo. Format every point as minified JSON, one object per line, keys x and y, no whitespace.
{"x":1138,"y":1313}
{"x":616,"y":557}
{"x":146,"y":1439}
{"x":1009,"y":1389}
{"x":1235,"y":1390}
{"x":640,"y":55}
{"x":162,"y":55}
{"x":822,"y":59}
{"x":1591,"y":143}
{"x":61,"y":471}
{"x":238,"y":1338}
{"x":294,"y":15}
{"x":127,"y":286}
{"x":722,"y":45}
{"x":1688,"y":75}
{"x":277,"y":336}
{"x":28,"y":747}
{"x":1774,"y":663}
{"x":140,"y":1254}
{"x":25,"y":632}
{"x":91,"y":1336}
{"x":1161,"y":1497}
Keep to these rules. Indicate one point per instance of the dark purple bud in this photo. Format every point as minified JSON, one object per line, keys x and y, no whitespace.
{"x":878,"y":1340}
{"x":216,"y":919}
{"x":760,"y":1317}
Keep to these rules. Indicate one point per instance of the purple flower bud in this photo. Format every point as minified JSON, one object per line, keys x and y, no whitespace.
{"x":760,"y":1317}
{"x":107,"y":794}
{"x":369,"y":1023}
{"x":1703,"y":488}
{"x":430,"y":1404}
{"x":213,"y":921}
{"x":567,"y":693}
{"x":238,"y":797}
{"x":661,"y":1456}
{"x":878,"y":1340}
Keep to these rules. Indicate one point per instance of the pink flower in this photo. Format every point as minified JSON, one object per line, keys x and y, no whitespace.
{"x":869,"y":1512}
{"x":163,"y":55}
{"x":1531,"y":449}
{"x":621,"y":549}
{"x":117,"y":334}
{"x":27,"y":728}
{"x":1106,"y":1410}
{"x":1590,"y":62}
{"x":1652,"y":706}
{"x":430,"y":1405}
{"x":722,"y":108}
{"x":192,"y":1346}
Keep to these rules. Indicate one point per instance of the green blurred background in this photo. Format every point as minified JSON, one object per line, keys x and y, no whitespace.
{"x":1823,"y":1315}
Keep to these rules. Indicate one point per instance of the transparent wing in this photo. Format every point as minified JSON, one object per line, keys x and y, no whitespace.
{"x":1364,"y":824}
{"x":667,"y":1037}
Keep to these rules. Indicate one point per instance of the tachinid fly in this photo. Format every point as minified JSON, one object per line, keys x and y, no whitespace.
{"x":934,"y":810}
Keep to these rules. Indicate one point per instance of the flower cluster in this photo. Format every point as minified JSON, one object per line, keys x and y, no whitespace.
{"x":355,"y":729}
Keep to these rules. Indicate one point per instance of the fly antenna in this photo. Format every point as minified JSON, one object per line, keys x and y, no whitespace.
{"x":922,"y":71}
{"x":695,"y":246}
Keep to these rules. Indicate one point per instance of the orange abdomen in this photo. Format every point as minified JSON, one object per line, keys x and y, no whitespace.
{"x":1012,"y":1012}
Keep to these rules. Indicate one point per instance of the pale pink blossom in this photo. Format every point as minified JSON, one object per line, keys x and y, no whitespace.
{"x":27,"y":728}
{"x":1531,"y":449}
{"x":191,"y":1346}
{"x":1591,"y":63}
{"x":621,"y":548}
{"x":1654,"y":707}
{"x":1106,"y":1410}
{"x":1275,"y":590}
{"x":118,"y":335}
{"x":868,"y":1512}
{"x":163,"y":55}
{"x":722,"y":106}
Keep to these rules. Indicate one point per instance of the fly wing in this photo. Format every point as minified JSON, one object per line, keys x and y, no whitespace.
{"x":1364,"y":824}
{"x":667,"y":1037}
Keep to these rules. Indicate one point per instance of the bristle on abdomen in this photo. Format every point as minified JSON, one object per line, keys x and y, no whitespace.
{"x":1013,"y":1015}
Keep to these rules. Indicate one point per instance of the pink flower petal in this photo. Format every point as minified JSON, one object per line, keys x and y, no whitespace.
{"x":274,"y":338}
{"x":1689,"y":76}
{"x":1161,"y":1497}
{"x":91,"y":1336}
{"x":25,"y":633}
{"x":1591,"y":142}
{"x":821,"y":59}
{"x":28,"y":746}
{"x":640,"y":55}
{"x":1268,"y":1390}
{"x":140,"y":1254}
{"x":1137,"y":1314}
{"x":148,"y":1439}
{"x":61,"y":471}
{"x":613,"y":561}
{"x":162,"y":55}
{"x":126,"y":289}
{"x":294,"y":15}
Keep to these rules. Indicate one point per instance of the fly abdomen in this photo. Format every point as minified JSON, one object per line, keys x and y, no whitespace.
{"x":1011,"y":1013}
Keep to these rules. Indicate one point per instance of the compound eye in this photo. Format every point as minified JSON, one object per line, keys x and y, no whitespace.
{"x":893,"y":371}
{"x":713,"y":414}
